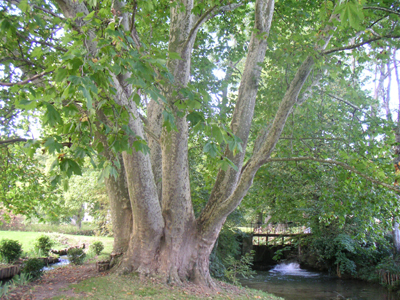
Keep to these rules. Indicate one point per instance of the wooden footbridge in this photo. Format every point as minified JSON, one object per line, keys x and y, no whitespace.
{"x":280,"y":233}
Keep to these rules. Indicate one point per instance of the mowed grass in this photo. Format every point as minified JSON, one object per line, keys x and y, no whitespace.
{"x":131,"y":287}
{"x":27,"y":240}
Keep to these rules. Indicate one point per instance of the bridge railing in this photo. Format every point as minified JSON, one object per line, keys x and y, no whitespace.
{"x":282,"y":233}
{"x":277,"y":228}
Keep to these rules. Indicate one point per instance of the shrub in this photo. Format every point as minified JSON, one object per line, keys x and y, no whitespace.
{"x":76,"y":256}
{"x":33,"y":267}
{"x":44,"y":243}
{"x":97,"y":247}
{"x":240,"y":267}
{"x":10,"y":250}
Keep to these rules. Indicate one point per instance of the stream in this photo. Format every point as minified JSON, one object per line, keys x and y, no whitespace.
{"x":292,"y":283}
{"x":63,"y":261}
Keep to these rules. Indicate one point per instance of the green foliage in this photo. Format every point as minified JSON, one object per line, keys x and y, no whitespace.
{"x":97,"y":247}
{"x":280,"y":252}
{"x":10,"y":250}
{"x":24,"y":186}
{"x":33,"y":267}
{"x":8,"y":286}
{"x":44,"y":243}
{"x":228,"y":245}
{"x":341,"y":251}
{"x":241,"y":267}
{"x":76,"y":256}
{"x":85,"y":194}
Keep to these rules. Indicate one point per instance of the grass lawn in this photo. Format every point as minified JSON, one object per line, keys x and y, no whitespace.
{"x":131,"y":287}
{"x":27,"y":240}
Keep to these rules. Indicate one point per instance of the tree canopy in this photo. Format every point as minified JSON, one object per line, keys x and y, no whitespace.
{"x":138,"y":86}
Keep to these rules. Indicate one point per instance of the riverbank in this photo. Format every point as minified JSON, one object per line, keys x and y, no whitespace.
{"x":76,"y":282}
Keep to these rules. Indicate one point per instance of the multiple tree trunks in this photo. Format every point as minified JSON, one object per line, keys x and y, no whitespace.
{"x":163,"y":235}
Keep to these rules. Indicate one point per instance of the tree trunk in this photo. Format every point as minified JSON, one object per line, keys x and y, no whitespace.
{"x":396,"y":236}
{"x":117,"y":191}
{"x":396,"y":230}
{"x":121,"y":210}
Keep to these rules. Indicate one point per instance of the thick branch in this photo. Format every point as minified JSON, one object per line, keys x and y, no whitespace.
{"x":382,"y":9}
{"x":12,"y":141}
{"x":344,"y":101}
{"x":354,"y":46}
{"x":242,"y":116}
{"x":25,"y":81}
{"x":209,"y":14}
{"x":338,"y":163}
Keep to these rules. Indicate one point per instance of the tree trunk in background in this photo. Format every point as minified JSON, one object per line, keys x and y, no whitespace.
{"x":121,"y":210}
{"x":396,"y":230}
{"x":396,"y":236}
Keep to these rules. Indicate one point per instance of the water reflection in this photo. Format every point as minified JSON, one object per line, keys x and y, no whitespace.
{"x":292,"y":283}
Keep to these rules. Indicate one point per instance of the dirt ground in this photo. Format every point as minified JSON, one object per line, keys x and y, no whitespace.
{"x":53,"y":283}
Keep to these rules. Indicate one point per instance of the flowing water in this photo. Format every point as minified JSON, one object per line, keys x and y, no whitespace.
{"x":292,"y":283}
{"x":63,"y":261}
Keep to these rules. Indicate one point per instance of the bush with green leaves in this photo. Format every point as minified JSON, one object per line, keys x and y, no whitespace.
{"x":44,"y":243}
{"x":76,"y":256}
{"x":33,"y":267}
{"x":229,"y":244}
{"x":97,"y":247}
{"x":10,"y":250}
{"x":344,"y":250}
{"x":241,"y":267}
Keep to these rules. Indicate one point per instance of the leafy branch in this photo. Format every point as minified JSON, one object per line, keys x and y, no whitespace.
{"x":338,"y":163}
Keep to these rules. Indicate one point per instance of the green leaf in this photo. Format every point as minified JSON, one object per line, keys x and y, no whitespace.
{"x":174,"y":55}
{"x":141,"y":146}
{"x":26,"y":104}
{"x":88,"y":97}
{"x":194,"y":118}
{"x":89,"y":16}
{"x":211,"y":149}
{"x":51,"y":116}
{"x":53,"y":145}
{"x":24,"y":6}
{"x":216,"y":133}
{"x":128,"y":130}
{"x":70,"y":167}
{"x":136,"y":99}
{"x":169,"y":120}
{"x":193,"y":104}
{"x":60,"y":75}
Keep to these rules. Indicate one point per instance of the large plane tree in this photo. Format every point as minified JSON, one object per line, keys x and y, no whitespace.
{"x":133,"y":82}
